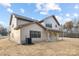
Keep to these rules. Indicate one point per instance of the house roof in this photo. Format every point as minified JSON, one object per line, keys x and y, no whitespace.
{"x":21,"y":26}
{"x":53,"y":30}
{"x":32,"y":21}
{"x":53,"y":16}
{"x":22,"y":18}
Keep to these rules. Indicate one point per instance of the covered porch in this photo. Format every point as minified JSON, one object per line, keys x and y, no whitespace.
{"x":52,"y":35}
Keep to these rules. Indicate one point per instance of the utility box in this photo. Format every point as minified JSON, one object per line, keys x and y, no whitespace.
{"x":28,"y":41}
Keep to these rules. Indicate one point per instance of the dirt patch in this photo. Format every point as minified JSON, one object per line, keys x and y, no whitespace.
{"x":67,"y":46}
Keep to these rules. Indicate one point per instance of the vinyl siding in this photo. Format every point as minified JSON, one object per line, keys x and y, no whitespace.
{"x":51,"y":21}
{"x":15,"y":34}
{"x":25,"y":33}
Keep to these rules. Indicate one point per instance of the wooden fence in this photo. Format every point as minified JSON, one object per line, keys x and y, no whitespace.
{"x":72,"y":35}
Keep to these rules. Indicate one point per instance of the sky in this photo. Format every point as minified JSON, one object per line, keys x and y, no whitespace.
{"x":63,"y":11}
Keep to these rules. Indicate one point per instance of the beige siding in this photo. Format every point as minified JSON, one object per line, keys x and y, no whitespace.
{"x":21,"y":22}
{"x":20,"y":34}
{"x":15,"y":34}
{"x":52,"y":21}
{"x":25,"y":33}
{"x":52,"y":36}
{"x":14,"y":22}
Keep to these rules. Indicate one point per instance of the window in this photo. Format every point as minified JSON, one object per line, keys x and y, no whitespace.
{"x":55,"y":25}
{"x":35,"y":34}
{"x":49,"y":25}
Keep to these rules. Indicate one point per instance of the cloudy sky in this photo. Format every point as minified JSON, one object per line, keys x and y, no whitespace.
{"x":63,"y":11}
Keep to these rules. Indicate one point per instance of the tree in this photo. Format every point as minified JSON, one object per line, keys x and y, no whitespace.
{"x":1,"y":27}
{"x":68,"y":25}
{"x":3,"y":31}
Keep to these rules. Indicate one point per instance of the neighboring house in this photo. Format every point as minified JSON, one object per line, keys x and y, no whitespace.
{"x":23,"y":27}
{"x":75,"y":29}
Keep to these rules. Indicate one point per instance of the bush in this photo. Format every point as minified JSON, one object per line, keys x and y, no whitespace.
{"x":4,"y":32}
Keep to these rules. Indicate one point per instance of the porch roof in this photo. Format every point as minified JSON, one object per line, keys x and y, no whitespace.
{"x":21,"y":26}
{"x":52,"y":30}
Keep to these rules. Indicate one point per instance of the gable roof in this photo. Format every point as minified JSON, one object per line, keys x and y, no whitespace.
{"x":56,"y":20}
{"x":32,"y":21}
{"x":24,"y":25}
{"x":52,"y":17}
{"x":22,"y":18}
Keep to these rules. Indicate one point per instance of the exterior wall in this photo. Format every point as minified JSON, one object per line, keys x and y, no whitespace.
{"x":75,"y":30}
{"x":21,"y":22}
{"x":52,"y":36}
{"x":14,"y":34}
{"x":20,"y":35}
{"x":52,"y":21}
{"x":14,"y":22}
{"x":25,"y":33}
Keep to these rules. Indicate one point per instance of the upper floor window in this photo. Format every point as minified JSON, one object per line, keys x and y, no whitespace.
{"x":49,"y":25}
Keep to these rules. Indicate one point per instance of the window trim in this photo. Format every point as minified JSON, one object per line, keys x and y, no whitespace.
{"x":35,"y":34}
{"x":48,"y":25}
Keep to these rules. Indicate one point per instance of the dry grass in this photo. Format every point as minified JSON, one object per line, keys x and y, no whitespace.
{"x":67,"y":47}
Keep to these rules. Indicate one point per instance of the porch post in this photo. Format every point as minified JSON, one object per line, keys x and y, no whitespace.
{"x":48,"y":36}
{"x":57,"y":36}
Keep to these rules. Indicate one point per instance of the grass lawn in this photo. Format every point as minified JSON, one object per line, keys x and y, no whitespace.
{"x":68,"y":46}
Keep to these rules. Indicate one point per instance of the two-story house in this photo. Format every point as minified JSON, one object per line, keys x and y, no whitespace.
{"x":23,"y":27}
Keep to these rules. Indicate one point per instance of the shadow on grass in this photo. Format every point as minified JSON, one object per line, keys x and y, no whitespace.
{"x":28,"y":44}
